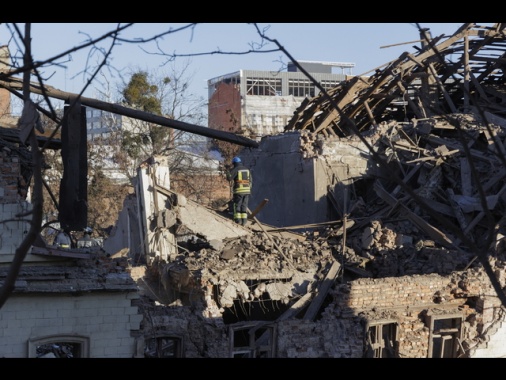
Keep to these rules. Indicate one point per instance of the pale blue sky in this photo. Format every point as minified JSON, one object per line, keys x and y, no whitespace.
{"x":358,"y":43}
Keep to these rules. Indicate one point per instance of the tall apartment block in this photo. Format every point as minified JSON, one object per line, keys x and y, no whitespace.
{"x":260,"y":103}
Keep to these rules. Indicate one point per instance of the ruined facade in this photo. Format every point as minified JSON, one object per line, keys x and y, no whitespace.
{"x":381,"y":234}
{"x":65,"y":303}
{"x":398,"y":261}
{"x":381,"y":287}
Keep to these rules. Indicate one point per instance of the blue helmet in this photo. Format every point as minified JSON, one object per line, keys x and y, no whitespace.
{"x":236,"y":160}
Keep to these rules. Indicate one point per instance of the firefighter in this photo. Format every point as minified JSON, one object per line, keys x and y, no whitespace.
{"x":241,"y":189}
{"x":63,"y":239}
{"x":87,"y":241}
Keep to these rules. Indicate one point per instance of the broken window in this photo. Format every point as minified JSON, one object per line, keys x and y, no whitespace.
{"x":59,"y":347}
{"x":263,"y":86}
{"x":445,"y":336}
{"x":252,"y":341}
{"x":328,"y":84}
{"x":382,"y":340}
{"x":301,"y":88}
{"x":163,"y":347}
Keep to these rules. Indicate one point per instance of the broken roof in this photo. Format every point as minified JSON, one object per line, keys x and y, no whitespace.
{"x":436,"y":125}
{"x":446,"y":75}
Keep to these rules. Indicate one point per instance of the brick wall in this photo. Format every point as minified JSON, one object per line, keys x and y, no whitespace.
{"x":200,"y":340}
{"x":323,"y":339}
{"x":5,"y":95}
{"x":225,"y":106}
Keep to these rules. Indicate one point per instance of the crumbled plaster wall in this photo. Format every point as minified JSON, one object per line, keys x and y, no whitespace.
{"x":296,"y":169}
{"x":125,"y":236}
{"x":402,"y":300}
{"x":201,"y":337}
{"x":340,"y":331}
{"x":331,"y":338}
{"x":493,"y":340}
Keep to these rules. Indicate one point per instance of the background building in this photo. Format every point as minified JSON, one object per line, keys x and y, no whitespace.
{"x":100,"y":124}
{"x":259,"y":103}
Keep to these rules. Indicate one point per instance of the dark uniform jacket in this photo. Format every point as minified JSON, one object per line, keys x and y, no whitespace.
{"x":242,"y":178}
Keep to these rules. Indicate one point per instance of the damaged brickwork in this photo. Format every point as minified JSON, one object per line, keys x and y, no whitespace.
{"x":401,"y":280}
{"x":409,"y":262}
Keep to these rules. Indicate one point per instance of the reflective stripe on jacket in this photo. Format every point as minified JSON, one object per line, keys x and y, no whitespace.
{"x":242,"y":180}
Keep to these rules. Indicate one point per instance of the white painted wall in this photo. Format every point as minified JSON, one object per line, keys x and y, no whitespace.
{"x":267,"y":115}
{"x":496,"y":346}
{"x":106,"y":318}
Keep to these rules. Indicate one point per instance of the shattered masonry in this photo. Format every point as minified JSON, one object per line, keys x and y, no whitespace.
{"x":394,"y":248}
{"x":402,"y":270}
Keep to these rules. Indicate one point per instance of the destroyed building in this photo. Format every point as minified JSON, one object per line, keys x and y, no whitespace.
{"x":377,"y":225}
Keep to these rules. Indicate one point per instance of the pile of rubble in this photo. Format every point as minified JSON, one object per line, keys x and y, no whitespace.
{"x":432,"y":202}
{"x":388,"y":232}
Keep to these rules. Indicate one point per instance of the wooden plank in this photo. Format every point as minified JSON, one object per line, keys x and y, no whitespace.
{"x":465,"y":177}
{"x":296,"y":308}
{"x":492,"y":181}
{"x":402,"y":145}
{"x":154,"y":193}
{"x":430,"y":230}
{"x":349,"y":224}
{"x":435,"y":158}
{"x":406,"y":178}
{"x":475,"y":153}
{"x":481,"y":214}
{"x":288,"y":261}
{"x":441,"y":207}
{"x":412,"y":105}
{"x":73,"y":253}
{"x":258,"y":208}
{"x":73,"y":194}
{"x":322,"y":291}
{"x":456,"y":209}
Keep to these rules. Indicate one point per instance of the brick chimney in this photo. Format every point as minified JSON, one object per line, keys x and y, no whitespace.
{"x":5,"y":96}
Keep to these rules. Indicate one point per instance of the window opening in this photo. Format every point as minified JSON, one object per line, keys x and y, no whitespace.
{"x":382,"y":340}
{"x":328,"y":84}
{"x":59,"y":347}
{"x":252,"y":341}
{"x":301,"y":88}
{"x":163,"y":347}
{"x":59,"y":350}
{"x":263,"y":86}
{"x":445,"y":336}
